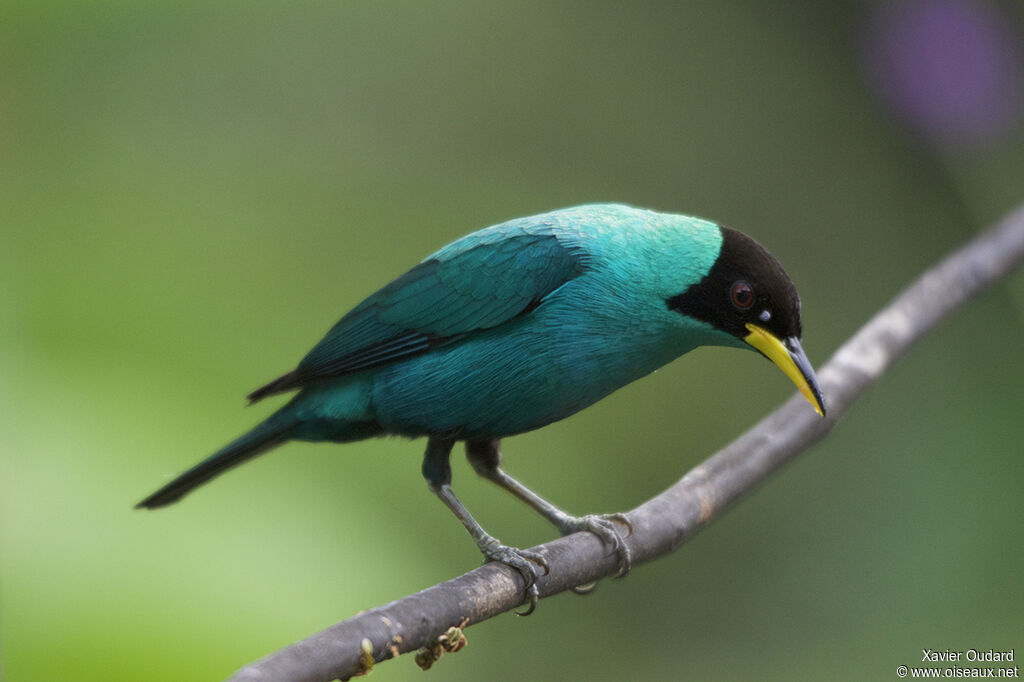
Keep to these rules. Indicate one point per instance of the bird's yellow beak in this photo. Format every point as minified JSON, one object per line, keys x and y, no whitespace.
{"x":790,"y":358}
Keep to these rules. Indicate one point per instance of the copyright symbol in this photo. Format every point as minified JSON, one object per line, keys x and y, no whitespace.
{"x":901,"y":671}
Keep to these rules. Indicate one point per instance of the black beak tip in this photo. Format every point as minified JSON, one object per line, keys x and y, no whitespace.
{"x":796,"y":351}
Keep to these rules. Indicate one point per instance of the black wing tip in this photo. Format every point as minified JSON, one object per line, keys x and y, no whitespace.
{"x":169,"y":494}
{"x":160,"y":498}
{"x":282,"y":383}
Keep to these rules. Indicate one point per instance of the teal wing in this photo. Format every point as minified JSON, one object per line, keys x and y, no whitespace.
{"x":477,"y":283}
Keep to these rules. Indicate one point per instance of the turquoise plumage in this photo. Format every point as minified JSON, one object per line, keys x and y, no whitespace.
{"x":519,"y":325}
{"x":525,"y":323}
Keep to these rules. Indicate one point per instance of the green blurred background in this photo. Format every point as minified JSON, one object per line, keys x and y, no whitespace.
{"x":193,"y":192}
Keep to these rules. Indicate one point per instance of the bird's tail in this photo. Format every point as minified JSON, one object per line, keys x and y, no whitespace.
{"x":267,"y":435}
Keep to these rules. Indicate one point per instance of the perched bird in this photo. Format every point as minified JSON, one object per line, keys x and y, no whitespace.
{"x":517,"y":326}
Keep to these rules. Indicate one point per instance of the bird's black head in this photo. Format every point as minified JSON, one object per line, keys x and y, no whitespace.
{"x":745,"y":285}
{"x":748,"y":295}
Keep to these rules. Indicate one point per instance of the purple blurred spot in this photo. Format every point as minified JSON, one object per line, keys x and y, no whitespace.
{"x":953,"y":69}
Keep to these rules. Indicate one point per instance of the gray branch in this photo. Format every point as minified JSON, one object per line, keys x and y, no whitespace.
{"x":663,"y":523}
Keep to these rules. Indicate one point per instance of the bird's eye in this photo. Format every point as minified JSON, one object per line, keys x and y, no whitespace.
{"x":742,"y":295}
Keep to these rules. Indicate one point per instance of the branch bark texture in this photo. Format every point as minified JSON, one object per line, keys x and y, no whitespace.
{"x":663,"y":523}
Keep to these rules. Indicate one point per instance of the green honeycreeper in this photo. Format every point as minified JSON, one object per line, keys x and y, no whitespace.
{"x":517,"y":326}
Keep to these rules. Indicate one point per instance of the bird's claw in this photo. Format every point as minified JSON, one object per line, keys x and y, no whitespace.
{"x":527,"y":563}
{"x":584,"y":589}
{"x":603,"y":526}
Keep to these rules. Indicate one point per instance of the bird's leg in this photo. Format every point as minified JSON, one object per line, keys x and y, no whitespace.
{"x":438,"y":472}
{"x":485,"y":456}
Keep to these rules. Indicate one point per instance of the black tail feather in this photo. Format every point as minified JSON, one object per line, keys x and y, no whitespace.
{"x":267,"y":435}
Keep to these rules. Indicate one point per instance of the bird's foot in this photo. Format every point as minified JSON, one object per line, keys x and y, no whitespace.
{"x":603,"y":526}
{"x":529,"y":564}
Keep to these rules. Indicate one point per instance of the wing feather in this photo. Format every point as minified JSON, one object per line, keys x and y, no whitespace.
{"x":477,"y":283}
